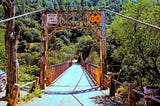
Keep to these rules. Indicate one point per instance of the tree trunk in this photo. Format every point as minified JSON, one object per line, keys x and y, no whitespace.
{"x":13,"y":99}
{"x":10,"y":47}
{"x":43,"y":51}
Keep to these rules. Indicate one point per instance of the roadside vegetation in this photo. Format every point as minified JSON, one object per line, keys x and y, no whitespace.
{"x":24,"y":98}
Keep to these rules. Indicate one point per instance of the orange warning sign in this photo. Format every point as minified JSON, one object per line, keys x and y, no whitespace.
{"x":95,"y":18}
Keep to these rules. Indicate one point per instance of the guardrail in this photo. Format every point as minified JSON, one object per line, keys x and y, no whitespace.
{"x":57,"y":70}
{"x":34,"y":84}
{"x":132,"y":93}
{"x":93,"y":70}
{"x":15,"y":93}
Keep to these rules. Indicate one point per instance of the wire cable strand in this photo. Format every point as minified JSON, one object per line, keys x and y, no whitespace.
{"x":8,"y":19}
{"x":133,"y":19}
{"x":121,"y":15}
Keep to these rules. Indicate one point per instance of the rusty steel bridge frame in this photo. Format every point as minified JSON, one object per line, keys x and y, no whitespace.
{"x":71,"y":19}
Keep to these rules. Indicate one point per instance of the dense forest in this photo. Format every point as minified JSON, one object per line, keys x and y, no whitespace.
{"x":133,"y":50}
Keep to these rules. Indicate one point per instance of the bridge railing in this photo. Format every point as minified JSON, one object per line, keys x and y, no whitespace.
{"x":93,"y":70}
{"x":131,"y":96}
{"x":34,"y":84}
{"x":16,"y":90}
{"x":127,"y":93}
{"x":57,"y":70}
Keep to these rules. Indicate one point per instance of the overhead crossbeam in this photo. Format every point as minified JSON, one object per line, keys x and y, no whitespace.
{"x":73,"y":19}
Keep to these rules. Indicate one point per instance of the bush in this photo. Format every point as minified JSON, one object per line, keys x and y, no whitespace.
{"x":35,"y":93}
{"x":93,"y":58}
{"x":22,"y":46}
{"x":36,"y":47}
{"x":2,"y":49}
{"x":32,"y":35}
{"x":29,"y":58}
{"x":24,"y":78}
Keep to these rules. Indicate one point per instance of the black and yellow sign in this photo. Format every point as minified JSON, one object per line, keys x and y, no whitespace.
{"x":95,"y":18}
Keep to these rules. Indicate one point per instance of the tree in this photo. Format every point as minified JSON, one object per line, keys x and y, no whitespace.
{"x":139,"y":45}
{"x":84,"y":45}
{"x":10,"y":46}
{"x":93,"y":58}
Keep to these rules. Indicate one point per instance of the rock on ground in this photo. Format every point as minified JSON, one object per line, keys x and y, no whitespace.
{"x":107,"y":101}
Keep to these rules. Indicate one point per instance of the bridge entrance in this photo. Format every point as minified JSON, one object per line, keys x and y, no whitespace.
{"x":55,"y":20}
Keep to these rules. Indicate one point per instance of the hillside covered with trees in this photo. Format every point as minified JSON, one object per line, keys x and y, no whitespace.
{"x":133,"y":50}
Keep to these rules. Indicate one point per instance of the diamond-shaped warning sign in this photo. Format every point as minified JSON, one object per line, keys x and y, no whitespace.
{"x":95,"y":18}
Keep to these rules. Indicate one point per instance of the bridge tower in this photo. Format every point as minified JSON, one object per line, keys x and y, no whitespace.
{"x":55,"y":20}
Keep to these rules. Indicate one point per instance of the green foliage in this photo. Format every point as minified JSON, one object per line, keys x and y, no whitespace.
{"x":84,"y":45}
{"x":139,"y":45}
{"x":27,"y":73}
{"x":29,"y":66}
{"x":134,"y":46}
{"x":29,"y":22}
{"x":32,"y":70}
{"x":2,"y":12}
{"x":22,"y":46}
{"x":35,"y":93}
{"x":2,"y":49}
{"x":29,"y":58}
{"x":62,"y":55}
{"x":24,"y":78}
{"x":35,"y":47}
{"x":67,"y":51}
{"x":32,"y":35}
{"x":53,"y":57}
{"x":113,"y":62}
{"x":93,"y":58}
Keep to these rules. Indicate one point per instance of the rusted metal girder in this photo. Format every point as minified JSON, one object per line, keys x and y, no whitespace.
{"x":103,"y":54}
{"x":74,"y":19}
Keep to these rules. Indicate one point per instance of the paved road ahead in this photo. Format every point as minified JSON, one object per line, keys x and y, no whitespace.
{"x":73,"y":88}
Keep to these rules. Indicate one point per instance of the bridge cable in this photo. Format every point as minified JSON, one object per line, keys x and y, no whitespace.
{"x":15,"y":17}
{"x":133,"y":19}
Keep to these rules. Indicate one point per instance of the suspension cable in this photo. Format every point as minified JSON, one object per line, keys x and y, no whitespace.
{"x":133,"y":19}
{"x":121,"y":15}
{"x":8,"y":19}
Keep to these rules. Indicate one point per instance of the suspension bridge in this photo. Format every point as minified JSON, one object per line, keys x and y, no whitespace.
{"x":75,"y":84}
{"x":73,"y":88}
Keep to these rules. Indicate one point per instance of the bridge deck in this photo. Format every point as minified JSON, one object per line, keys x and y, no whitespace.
{"x":73,"y":88}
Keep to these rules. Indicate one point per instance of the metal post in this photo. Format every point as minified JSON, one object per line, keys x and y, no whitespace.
{"x":103,"y":48}
{"x":131,"y":96}
{"x":112,"y":86}
{"x":100,"y":65}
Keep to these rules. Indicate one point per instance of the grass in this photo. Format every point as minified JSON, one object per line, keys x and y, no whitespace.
{"x":30,"y":96}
